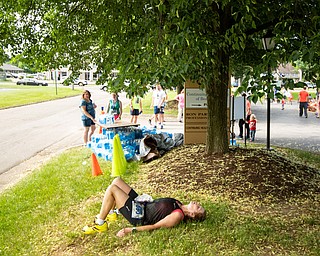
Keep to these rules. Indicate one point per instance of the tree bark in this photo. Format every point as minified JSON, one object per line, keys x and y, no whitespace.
{"x":217,"y":90}
{"x":217,"y":94}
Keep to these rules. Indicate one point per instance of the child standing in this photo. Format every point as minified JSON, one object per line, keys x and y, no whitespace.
{"x":253,"y":127}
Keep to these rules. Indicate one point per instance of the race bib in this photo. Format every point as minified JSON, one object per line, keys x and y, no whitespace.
{"x":137,"y":210}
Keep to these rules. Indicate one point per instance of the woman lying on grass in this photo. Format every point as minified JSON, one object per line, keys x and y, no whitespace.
{"x":160,"y":213}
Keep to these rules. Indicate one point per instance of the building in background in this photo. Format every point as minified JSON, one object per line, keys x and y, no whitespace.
{"x":11,"y":70}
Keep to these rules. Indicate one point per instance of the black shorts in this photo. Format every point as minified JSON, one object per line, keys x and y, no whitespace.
{"x":134,"y":112}
{"x":127,"y":212}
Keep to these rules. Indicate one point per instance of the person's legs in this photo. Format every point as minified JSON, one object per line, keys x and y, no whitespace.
{"x":300,"y":109}
{"x":150,"y":120}
{"x":93,"y":128}
{"x":135,"y":119}
{"x":132,"y":116}
{"x":85,"y":135}
{"x":161,"y":117}
{"x":241,"y":123}
{"x":180,"y":111}
{"x":156,"y":116}
{"x":247,"y":130}
{"x":253,"y":135}
{"x":156,"y":111}
{"x":122,"y":185}
{"x":305,"y":107}
{"x":116,"y":195}
{"x":161,"y":120}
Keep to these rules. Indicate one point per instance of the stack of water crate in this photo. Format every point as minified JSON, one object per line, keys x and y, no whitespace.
{"x":102,"y":144}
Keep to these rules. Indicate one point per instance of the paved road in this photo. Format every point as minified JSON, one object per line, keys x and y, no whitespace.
{"x":31,"y":134}
{"x":287,"y":128}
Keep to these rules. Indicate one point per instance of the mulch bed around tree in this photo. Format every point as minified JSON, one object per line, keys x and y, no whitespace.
{"x":241,"y":173}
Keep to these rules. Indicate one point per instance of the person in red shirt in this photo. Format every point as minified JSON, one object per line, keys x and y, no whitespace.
{"x":253,"y":127}
{"x":303,"y":99}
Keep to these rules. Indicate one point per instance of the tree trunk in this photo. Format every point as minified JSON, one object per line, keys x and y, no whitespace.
{"x":217,"y":93}
{"x":217,"y":89}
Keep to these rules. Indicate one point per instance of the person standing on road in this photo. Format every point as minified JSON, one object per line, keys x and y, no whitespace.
{"x":114,"y":106}
{"x":253,"y":127}
{"x":135,"y":108}
{"x":180,"y":99}
{"x":303,"y":102}
{"x":88,"y":116}
{"x":245,"y":122}
{"x":158,"y":99}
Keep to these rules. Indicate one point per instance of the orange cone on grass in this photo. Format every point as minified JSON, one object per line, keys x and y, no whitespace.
{"x":96,"y":170}
{"x":119,"y":162}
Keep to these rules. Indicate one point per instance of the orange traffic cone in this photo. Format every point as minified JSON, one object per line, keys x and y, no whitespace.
{"x":96,"y":170}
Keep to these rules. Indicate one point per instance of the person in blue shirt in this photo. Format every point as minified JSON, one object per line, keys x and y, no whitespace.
{"x":88,"y":116}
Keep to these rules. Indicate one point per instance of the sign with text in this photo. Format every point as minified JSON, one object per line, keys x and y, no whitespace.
{"x":195,"y":119}
{"x":196,"y":114}
{"x":196,"y":98}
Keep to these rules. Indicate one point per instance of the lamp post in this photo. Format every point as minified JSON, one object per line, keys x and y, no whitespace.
{"x":268,"y":45}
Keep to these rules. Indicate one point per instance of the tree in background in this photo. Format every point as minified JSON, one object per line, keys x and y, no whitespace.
{"x":169,"y":41}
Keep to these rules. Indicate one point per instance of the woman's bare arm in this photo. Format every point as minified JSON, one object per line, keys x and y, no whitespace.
{"x":169,"y":221}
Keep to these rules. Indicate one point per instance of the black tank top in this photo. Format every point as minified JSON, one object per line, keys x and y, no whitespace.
{"x":159,"y":209}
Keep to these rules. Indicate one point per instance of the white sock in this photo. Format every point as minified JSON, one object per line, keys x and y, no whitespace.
{"x":99,"y":221}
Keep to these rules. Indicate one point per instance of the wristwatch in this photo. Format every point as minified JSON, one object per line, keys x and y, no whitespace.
{"x":134,"y":230}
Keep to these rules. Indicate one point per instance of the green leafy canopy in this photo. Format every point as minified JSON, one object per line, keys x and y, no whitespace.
{"x":169,"y":41}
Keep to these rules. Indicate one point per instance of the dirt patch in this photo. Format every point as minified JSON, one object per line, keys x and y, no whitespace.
{"x":241,"y":173}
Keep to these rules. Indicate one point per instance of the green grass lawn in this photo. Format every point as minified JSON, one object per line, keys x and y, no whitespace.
{"x":146,"y":103}
{"x":44,"y":215}
{"x":45,"y":212}
{"x":18,"y":95}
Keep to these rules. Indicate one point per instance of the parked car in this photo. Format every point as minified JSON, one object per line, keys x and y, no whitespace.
{"x":80,"y":82}
{"x":310,"y":85}
{"x":31,"y":81}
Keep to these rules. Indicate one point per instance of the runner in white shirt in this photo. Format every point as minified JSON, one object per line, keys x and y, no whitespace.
{"x":158,"y":99}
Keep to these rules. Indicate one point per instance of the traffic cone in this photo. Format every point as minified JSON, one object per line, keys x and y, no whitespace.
{"x":122,"y":156}
{"x":96,"y":170}
{"x":119,"y":163}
